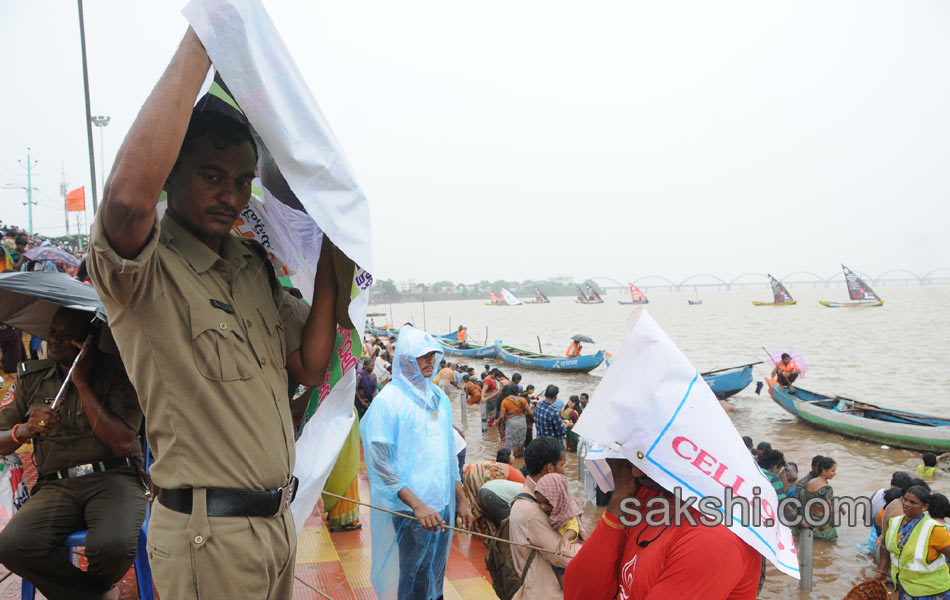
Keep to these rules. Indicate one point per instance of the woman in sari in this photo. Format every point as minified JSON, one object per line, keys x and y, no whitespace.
{"x":818,"y":487}
{"x":514,"y":409}
{"x":345,"y":516}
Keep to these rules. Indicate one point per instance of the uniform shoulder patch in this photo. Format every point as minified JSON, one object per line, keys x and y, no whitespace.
{"x":32,"y":366}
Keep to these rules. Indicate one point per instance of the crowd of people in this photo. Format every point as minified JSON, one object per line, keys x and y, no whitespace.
{"x":17,"y":242}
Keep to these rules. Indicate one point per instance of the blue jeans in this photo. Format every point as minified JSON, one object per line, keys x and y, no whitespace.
{"x":423,"y":556}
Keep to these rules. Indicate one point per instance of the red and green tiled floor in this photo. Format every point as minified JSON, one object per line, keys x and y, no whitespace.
{"x":336,"y":565}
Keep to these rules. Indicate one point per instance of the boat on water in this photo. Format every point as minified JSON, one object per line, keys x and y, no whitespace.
{"x":546,"y":362}
{"x":392,"y":332}
{"x":728,"y":382}
{"x":539,"y":298}
{"x":451,"y":348}
{"x":636,"y":296}
{"x":505,"y":298}
{"x":863,"y":421}
{"x":591,"y":297}
{"x":780,"y":295}
{"x":861,"y":293}
{"x":695,"y":302}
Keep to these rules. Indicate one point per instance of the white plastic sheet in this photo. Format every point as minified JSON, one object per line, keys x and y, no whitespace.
{"x":654,"y":409}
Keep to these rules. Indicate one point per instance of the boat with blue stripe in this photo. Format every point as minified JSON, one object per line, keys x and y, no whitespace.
{"x":452,"y":348}
{"x":730,"y":382}
{"x":546,"y":362}
{"x":863,"y":421}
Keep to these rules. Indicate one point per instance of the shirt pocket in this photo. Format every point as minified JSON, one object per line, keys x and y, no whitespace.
{"x":276,"y":333}
{"x":219,"y":346}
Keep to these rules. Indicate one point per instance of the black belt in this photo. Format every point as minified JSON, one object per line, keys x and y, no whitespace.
{"x":80,"y":470}
{"x":234,"y":503}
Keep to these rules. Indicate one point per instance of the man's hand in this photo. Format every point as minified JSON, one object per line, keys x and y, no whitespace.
{"x":464,"y":514}
{"x":83,"y":371}
{"x":625,"y":484}
{"x":429,"y":518}
{"x":41,"y":421}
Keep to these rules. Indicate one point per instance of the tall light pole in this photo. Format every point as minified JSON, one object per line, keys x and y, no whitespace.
{"x":101,"y":121}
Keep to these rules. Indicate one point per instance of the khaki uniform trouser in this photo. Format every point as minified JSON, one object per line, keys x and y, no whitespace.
{"x":200,"y":557}
{"x":110,"y":505}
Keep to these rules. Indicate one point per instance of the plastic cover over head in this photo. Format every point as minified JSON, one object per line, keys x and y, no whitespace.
{"x":408,"y":442}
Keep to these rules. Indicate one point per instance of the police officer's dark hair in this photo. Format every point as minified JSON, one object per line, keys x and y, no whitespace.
{"x":939,"y":507}
{"x":901,"y":479}
{"x":929,"y":458}
{"x":229,"y":130}
{"x":551,"y":391}
{"x":542,"y":451}
{"x":920,"y":492}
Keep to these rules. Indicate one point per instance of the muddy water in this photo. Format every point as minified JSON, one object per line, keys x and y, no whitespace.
{"x":892,"y":355}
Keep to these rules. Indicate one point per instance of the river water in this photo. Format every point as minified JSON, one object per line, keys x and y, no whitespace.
{"x":890,"y":355}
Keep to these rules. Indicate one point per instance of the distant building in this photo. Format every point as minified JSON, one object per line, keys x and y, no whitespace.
{"x":405,"y":286}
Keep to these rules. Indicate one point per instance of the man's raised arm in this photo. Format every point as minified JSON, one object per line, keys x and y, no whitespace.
{"x":150,"y":149}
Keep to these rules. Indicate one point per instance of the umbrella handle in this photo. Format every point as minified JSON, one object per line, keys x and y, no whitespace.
{"x":62,"y":389}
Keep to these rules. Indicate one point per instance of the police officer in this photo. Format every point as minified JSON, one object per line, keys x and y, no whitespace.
{"x":209,"y":341}
{"x":85,"y":453}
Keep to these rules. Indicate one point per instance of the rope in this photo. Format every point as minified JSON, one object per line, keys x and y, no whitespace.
{"x":413,"y":518}
{"x":312,"y":588}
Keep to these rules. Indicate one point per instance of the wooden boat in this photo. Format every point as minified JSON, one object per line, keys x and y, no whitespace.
{"x":730,"y":382}
{"x":392,"y":332}
{"x":451,"y":348}
{"x":546,"y":362}
{"x":861,"y":293}
{"x":780,"y":295}
{"x":636,"y":296}
{"x":863,"y":421}
{"x":858,"y":304}
{"x":695,"y":302}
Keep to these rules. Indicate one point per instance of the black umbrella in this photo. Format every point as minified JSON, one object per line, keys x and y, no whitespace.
{"x":29,"y":299}
{"x":580,"y":337}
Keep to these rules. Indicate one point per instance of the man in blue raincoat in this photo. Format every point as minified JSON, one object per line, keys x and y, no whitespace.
{"x":409,"y":449}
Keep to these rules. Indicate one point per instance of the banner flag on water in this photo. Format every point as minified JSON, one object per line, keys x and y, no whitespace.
{"x":654,"y":408}
{"x":306,"y":189}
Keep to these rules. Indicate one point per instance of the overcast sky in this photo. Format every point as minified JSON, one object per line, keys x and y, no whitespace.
{"x":527,"y":139}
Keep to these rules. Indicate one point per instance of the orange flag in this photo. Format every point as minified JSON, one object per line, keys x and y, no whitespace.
{"x":76,"y":200}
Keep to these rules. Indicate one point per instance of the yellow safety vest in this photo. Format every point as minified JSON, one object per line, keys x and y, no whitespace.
{"x":909,"y":565}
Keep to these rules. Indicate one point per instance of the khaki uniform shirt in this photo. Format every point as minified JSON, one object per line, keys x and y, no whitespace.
{"x":72,"y":441}
{"x":205,"y":340}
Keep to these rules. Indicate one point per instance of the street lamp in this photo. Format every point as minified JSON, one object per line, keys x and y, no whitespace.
{"x":101,"y":121}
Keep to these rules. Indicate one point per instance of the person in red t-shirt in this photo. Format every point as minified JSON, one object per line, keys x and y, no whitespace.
{"x":658,"y":562}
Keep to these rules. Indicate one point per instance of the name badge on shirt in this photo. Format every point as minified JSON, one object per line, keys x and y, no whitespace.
{"x":222,"y":306}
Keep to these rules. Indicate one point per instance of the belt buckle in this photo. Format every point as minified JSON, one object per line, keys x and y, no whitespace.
{"x":80,"y":470}
{"x":287,"y":494}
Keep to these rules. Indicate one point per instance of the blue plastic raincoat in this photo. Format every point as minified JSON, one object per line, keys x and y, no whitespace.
{"x":408,"y":442}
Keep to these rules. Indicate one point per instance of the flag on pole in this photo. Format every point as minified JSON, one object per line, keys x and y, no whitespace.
{"x":76,"y":200}
{"x":653,"y":408}
{"x":306,"y":190}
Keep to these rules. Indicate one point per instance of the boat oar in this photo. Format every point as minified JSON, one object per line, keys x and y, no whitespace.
{"x":870,"y":407}
{"x":539,"y":344}
{"x":707,"y":373}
